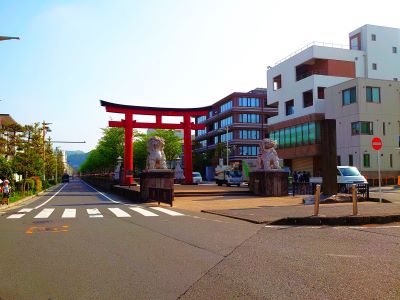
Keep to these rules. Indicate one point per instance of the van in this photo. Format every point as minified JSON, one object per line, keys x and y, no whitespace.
{"x":347,"y":175}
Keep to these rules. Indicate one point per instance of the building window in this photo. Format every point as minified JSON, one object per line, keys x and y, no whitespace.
{"x":215,"y":125}
{"x":277,"y":81}
{"x":225,"y":137}
{"x":215,"y":140}
{"x":374,"y":66}
{"x":248,"y":150}
{"x":201,"y":119}
{"x":338,"y":160}
{"x":373,"y":37}
{"x":226,"y":106}
{"x":373,"y":94}
{"x":249,"y":102}
{"x":361,"y":127}
{"x":391,"y":160}
{"x":299,"y":136}
{"x":394,"y":49}
{"x":203,"y":143}
{"x":366,"y":160}
{"x":249,"y":118}
{"x":308,"y":98}
{"x":293,"y":136}
{"x":249,"y":134}
{"x":349,"y":96}
{"x":321,"y":92}
{"x":350,"y":159}
{"x":289,"y":105}
{"x":355,"y":42}
{"x":201,"y":132}
{"x":384,"y":128}
{"x":227,"y":121}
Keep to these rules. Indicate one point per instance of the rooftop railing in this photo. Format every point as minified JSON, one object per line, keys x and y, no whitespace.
{"x":315,"y":43}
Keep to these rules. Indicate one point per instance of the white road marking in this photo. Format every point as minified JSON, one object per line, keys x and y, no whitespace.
{"x":51,"y":197}
{"x":25,"y":210}
{"x":104,"y":195}
{"x":167,"y":211}
{"x":144,"y":212}
{"x":94,"y":213}
{"x":16,"y":216}
{"x":69,"y":213}
{"x":45,"y":213}
{"x":344,"y":255}
{"x":119,"y":212}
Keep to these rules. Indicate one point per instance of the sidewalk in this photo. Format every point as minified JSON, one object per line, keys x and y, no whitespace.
{"x":290,"y":210}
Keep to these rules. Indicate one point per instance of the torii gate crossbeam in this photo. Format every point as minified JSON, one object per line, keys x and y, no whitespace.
{"x":128,"y":123}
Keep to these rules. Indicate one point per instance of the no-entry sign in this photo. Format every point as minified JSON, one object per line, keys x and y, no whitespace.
{"x":376,"y":143}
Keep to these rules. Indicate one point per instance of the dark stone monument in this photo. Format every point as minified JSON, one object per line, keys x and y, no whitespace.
{"x":157,"y":185}
{"x":269,"y":182}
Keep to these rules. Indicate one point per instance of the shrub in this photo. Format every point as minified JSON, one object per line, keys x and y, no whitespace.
{"x":29,"y":184}
{"x":38,"y":183}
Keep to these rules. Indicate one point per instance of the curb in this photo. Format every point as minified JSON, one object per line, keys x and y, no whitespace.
{"x":338,"y":221}
{"x":23,"y":200}
{"x":235,"y":217}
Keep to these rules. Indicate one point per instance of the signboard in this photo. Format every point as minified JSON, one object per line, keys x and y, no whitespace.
{"x":376,"y":143}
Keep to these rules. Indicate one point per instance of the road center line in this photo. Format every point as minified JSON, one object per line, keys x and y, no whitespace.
{"x":51,"y":197}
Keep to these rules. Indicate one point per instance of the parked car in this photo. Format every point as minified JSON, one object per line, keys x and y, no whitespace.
{"x":348,"y":175}
{"x":197,"y":177}
{"x":65,"y":178}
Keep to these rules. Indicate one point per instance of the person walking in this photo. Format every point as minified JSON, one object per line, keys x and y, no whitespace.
{"x":6,"y":192}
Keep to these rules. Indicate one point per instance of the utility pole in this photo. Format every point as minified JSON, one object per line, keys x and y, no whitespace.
{"x":44,"y":129}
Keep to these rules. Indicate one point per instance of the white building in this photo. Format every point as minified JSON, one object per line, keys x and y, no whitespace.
{"x":297,"y":84}
{"x":373,"y":111}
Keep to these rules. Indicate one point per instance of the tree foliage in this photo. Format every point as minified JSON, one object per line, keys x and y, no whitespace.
{"x":111,"y":145}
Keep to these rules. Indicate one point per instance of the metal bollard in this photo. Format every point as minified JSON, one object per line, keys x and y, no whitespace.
{"x":354,"y":197}
{"x":316,"y":203}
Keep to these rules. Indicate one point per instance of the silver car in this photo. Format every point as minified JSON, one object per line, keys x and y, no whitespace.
{"x":197,"y":177}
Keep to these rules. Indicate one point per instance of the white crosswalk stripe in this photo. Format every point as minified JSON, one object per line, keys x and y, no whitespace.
{"x":45,"y":213}
{"x":69,"y":213}
{"x":94,"y":213}
{"x":119,"y":212}
{"x":144,"y":212}
{"x":167,"y":211}
{"x":15,"y":216}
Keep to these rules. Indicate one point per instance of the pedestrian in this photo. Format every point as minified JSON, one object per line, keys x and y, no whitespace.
{"x":295,"y":176}
{"x":6,"y":192}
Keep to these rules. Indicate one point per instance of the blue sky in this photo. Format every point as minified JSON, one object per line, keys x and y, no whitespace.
{"x":175,"y":53}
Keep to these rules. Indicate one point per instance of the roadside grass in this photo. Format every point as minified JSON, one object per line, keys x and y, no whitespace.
{"x":16,"y":196}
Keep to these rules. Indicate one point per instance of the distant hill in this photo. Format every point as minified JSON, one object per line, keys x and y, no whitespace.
{"x":76,"y":158}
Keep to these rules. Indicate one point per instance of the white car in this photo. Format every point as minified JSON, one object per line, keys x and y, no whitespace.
{"x":347,"y":175}
{"x":197,"y":177}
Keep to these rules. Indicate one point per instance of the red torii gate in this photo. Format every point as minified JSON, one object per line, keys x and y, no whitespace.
{"x":128,"y":123}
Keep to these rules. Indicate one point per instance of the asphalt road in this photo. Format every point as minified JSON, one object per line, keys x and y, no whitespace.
{"x":76,"y":243}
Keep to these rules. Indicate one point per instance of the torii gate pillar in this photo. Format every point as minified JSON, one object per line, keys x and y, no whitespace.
{"x":187,"y":149}
{"x":128,"y":150}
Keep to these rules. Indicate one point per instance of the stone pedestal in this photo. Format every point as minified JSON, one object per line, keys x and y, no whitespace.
{"x":269,"y":183}
{"x":157,"y":185}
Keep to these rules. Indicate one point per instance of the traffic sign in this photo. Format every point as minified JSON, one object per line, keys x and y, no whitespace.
{"x":376,"y":143}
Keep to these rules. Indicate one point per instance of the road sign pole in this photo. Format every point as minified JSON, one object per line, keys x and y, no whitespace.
{"x":379,"y":176}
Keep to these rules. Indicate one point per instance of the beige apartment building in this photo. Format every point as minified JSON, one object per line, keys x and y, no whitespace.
{"x":365,"y":108}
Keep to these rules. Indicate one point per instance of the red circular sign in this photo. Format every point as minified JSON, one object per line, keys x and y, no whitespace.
{"x":376,"y":143}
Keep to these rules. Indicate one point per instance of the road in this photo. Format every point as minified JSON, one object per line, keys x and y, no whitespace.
{"x":77,"y":243}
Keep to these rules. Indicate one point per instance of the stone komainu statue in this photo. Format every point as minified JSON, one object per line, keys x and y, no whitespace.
{"x":268,"y":158}
{"x":156,"y":156}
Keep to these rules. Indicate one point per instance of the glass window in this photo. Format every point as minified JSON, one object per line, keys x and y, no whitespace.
{"x":249,"y":118}
{"x":373,"y":37}
{"x":287,"y":137}
{"x":354,"y":43}
{"x":391,"y":160}
{"x":374,"y":66}
{"x":350,"y":159}
{"x":305,"y":133}
{"x":249,"y":102}
{"x":201,"y":132}
{"x":394,"y":49}
{"x":226,"y":106}
{"x":367,"y":128}
{"x":201,"y":119}
{"x":349,"y":96}
{"x":281,"y":138}
{"x":216,"y":140}
{"x":299,"y":135}
{"x":338,"y":162}
{"x":203,"y":143}
{"x":215,"y":125}
{"x":355,"y":128}
{"x":293,"y":136}
{"x":373,"y":94}
{"x":289,"y":107}
{"x":318,"y":133}
{"x":366,"y":160}
{"x":311,"y":131}
{"x":227,"y":121}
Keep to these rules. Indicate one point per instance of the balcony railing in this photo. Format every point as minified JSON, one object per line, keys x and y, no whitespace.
{"x":323,"y":44}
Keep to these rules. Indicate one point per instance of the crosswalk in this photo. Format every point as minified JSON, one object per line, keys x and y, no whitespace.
{"x":71,"y":213}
